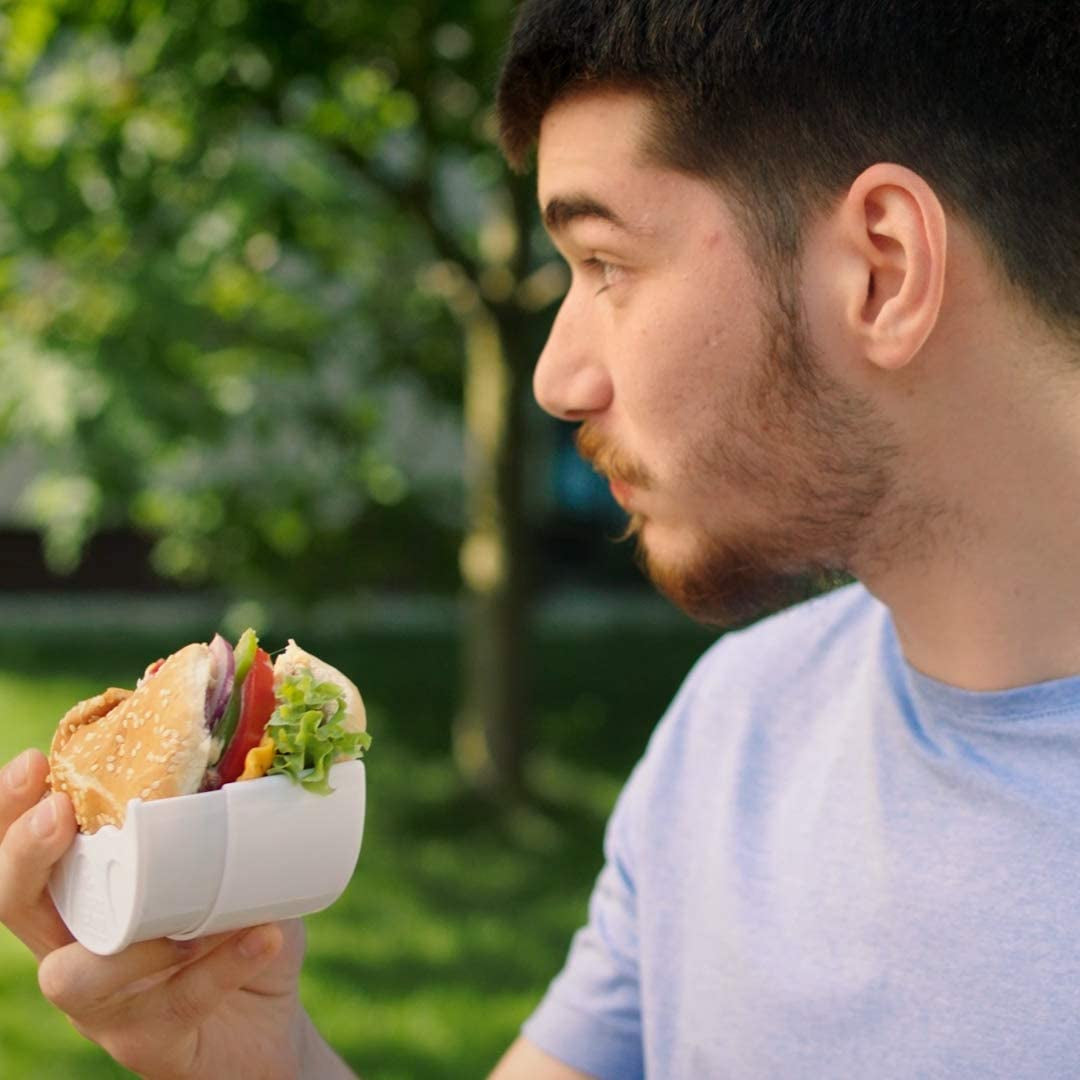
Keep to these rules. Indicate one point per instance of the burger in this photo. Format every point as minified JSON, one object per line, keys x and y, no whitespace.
{"x":206,"y":716}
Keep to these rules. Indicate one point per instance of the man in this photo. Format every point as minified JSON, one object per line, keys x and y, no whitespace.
{"x":824,"y":315}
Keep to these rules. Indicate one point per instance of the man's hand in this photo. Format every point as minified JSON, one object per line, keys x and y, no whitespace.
{"x":225,"y":1005}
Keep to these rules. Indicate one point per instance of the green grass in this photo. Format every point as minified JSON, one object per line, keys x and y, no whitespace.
{"x":457,"y":915}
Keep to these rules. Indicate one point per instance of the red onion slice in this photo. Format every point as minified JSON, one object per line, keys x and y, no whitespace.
{"x":222,"y":674}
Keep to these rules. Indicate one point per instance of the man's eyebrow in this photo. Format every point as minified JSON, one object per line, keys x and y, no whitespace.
{"x":560,"y":211}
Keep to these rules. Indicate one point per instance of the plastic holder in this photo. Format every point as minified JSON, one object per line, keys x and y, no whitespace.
{"x":184,"y":867}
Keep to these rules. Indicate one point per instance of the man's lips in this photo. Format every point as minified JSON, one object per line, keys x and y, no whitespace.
{"x":620,"y":492}
{"x":624,"y":475}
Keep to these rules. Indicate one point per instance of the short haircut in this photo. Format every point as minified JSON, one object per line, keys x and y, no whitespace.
{"x":784,"y":102}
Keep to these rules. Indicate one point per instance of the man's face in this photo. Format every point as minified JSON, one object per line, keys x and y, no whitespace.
{"x":742,"y":464}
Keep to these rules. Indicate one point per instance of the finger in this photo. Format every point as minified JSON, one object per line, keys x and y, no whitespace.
{"x":29,"y":851}
{"x":163,"y":1025}
{"x":22,"y":783}
{"x":193,"y":993}
{"x":80,"y":982}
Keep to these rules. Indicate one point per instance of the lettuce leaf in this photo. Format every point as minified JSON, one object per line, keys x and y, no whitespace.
{"x":307,"y":731}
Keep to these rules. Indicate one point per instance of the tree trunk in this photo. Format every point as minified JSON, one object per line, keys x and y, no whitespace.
{"x":490,"y":730}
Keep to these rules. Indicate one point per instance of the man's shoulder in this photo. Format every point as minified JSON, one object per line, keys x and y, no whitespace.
{"x":754,"y":701}
{"x":782,"y":675}
{"x":825,"y":622}
{"x":801,"y":642}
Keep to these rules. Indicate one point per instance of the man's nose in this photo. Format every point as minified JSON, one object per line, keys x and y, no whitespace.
{"x":570,"y":381}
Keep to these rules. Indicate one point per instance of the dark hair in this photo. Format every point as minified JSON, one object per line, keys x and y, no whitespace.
{"x":785,"y":102}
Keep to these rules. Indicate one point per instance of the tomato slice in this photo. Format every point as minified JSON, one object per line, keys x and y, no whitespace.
{"x":256,"y":704}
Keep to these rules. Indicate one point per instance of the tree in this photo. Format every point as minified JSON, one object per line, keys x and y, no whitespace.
{"x":236,"y":237}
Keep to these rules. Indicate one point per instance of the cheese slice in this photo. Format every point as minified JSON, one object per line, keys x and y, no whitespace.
{"x":258,"y":760}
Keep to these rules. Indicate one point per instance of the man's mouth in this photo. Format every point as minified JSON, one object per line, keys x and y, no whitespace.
{"x":622,"y":473}
{"x":621,"y":492}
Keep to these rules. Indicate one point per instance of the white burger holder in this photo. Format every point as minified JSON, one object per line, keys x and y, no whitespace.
{"x":254,"y":851}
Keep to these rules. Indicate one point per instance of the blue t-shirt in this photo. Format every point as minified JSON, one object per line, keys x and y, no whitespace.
{"x":828,"y":865}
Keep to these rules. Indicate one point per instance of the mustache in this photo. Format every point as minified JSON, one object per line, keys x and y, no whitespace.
{"x":608,"y":460}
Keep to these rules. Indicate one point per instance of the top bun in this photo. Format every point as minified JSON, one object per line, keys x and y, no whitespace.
{"x":293,"y":659}
{"x":148,"y":744}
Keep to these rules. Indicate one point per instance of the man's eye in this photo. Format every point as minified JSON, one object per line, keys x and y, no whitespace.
{"x":607,"y":273}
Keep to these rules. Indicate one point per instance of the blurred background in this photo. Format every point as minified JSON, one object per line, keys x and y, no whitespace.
{"x":269,"y":307}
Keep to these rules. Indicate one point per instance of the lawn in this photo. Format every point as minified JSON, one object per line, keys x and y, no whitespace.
{"x":457,"y":916}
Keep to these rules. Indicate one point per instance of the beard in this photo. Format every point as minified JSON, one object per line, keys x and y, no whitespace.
{"x":814,"y":460}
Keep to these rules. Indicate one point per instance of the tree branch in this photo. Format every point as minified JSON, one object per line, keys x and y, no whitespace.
{"x":416,"y":197}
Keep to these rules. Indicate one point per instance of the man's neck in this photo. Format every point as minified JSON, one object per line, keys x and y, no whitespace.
{"x":992,"y":630}
{"x":991,"y":600}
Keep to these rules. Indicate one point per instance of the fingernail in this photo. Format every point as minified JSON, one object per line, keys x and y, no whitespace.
{"x":43,"y":819}
{"x":255,"y":943}
{"x":18,"y":771}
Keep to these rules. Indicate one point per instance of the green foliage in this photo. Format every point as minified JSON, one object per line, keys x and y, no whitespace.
{"x":228,"y":235}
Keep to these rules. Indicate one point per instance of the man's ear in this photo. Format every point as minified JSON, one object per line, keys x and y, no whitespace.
{"x":892,"y":229}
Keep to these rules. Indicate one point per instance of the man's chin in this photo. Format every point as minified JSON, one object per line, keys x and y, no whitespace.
{"x":730,"y":585}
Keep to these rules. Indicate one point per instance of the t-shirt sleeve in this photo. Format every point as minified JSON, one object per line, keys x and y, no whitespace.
{"x":590,"y":1017}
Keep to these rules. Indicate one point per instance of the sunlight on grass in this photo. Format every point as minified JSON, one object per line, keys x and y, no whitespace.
{"x":427,"y":959}
{"x":33,"y":708}
{"x":458,"y":915}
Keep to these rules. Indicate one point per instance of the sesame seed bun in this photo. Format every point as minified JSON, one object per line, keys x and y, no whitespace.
{"x":149,"y":743}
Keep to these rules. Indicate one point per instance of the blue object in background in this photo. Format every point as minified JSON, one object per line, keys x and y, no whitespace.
{"x":579,"y":490}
